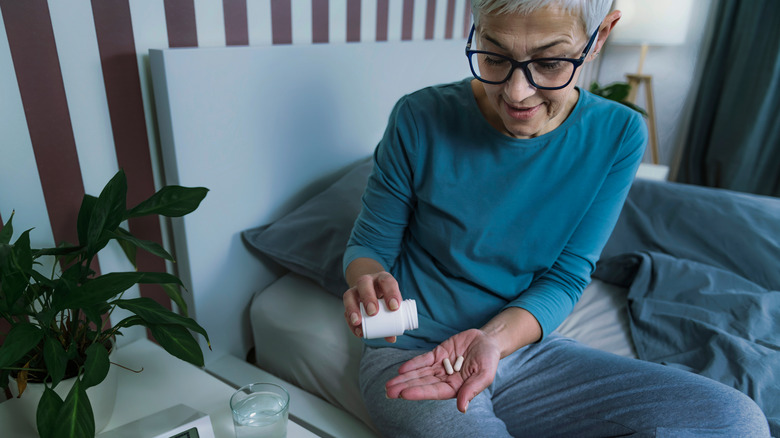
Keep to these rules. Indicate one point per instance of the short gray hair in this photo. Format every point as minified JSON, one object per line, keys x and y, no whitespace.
{"x":591,"y":12}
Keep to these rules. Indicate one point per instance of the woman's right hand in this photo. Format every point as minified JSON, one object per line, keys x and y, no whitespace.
{"x":369,"y":289}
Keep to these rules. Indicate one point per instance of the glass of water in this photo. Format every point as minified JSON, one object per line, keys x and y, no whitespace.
{"x":260,"y":410}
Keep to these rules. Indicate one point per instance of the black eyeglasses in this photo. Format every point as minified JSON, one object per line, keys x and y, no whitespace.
{"x":542,"y":73}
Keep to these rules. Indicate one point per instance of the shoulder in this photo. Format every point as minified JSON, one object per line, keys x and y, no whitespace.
{"x":432,"y":111}
{"x":599,"y":107}
{"x":609,"y":119}
{"x":437,"y":98}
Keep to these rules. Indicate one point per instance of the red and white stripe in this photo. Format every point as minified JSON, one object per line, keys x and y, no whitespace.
{"x":75,"y":93}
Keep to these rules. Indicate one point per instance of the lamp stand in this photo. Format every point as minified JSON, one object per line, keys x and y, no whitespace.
{"x":635,"y":81}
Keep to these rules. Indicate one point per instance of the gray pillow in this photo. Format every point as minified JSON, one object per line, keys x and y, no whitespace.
{"x":311,"y":239}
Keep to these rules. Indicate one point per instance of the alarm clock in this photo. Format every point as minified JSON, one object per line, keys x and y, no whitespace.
{"x":179,"y":421}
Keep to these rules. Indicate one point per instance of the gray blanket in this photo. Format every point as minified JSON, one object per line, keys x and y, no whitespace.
{"x":704,"y":319}
{"x":703,"y":270}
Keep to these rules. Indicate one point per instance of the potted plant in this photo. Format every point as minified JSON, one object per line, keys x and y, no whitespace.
{"x":59,"y":323}
{"x":617,"y":91}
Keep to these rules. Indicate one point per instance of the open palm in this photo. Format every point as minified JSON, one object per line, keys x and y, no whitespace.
{"x":424,"y":377}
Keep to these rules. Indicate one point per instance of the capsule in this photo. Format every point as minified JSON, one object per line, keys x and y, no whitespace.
{"x":458,"y":364}
{"x":448,"y":366}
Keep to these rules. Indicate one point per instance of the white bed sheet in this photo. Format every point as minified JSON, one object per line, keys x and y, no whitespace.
{"x":300,"y":336}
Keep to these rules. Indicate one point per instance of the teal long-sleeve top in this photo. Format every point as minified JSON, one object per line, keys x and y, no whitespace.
{"x":470,"y":221}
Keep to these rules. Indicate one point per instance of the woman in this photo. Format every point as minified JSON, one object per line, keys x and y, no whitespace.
{"x":489,"y":204}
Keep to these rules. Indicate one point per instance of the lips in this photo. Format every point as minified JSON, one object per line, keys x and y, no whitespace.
{"x":521,"y":113}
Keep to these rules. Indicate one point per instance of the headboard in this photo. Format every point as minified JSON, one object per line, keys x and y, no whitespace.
{"x":265,"y":128}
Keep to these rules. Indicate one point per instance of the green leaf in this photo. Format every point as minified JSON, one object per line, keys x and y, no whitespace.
{"x":64,"y":249}
{"x":7,"y":231}
{"x":108,"y":212}
{"x":158,"y":278}
{"x":85,"y":213}
{"x":171,"y":201}
{"x":96,"y":290}
{"x":15,"y":270}
{"x":46,"y":415}
{"x":130,"y":321}
{"x":99,"y":289}
{"x":128,"y":248}
{"x":179,"y":342}
{"x":22,"y":252}
{"x":114,"y":197}
{"x":94,"y":311}
{"x":22,"y":338}
{"x":73,"y":275}
{"x":174,"y":293}
{"x":6,"y":250}
{"x":14,"y":284}
{"x":124,"y":237}
{"x":107,"y":286}
{"x":75,"y":417}
{"x":73,"y":351}
{"x":617,"y":91}
{"x":56,"y":360}
{"x":46,"y":316}
{"x":4,"y":375}
{"x":96,"y":365}
{"x":43,"y":280}
{"x":154,"y":314}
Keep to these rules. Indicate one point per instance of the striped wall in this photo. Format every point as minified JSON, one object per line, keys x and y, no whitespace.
{"x":75,"y":102}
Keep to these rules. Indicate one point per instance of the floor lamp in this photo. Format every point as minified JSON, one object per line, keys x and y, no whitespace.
{"x":646,"y":23}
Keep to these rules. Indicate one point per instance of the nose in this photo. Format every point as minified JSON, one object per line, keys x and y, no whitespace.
{"x":517,"y":88}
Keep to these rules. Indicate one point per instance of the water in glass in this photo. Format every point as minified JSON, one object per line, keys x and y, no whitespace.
{"x":260,"y":415}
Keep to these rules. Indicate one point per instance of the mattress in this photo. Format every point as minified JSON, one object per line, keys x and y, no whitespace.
{"x":300,"y":336}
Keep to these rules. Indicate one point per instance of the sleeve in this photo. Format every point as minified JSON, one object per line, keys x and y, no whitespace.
{"x":552,"y":296}
{"x":389,"y":196}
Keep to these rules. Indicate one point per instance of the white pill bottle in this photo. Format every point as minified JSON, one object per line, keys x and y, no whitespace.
{"x":389,"y":323}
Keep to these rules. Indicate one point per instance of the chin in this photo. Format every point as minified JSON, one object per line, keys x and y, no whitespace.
{"x":518,"y":125}
{"x":524,"y":129}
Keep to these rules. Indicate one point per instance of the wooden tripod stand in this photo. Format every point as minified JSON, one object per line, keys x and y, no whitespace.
{"x":635,"y":81}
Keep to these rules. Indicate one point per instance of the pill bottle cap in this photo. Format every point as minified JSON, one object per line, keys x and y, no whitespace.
{"x":410,"y":311}
{"x":389,"y":323}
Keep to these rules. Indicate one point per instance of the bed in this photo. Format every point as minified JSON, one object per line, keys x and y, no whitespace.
{"x":282,"y":137}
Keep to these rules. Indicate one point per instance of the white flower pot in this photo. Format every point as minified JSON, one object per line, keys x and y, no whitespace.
{"x":102,"y":397}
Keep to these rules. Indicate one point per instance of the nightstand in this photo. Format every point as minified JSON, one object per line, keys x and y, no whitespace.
{"x":165,"y":382}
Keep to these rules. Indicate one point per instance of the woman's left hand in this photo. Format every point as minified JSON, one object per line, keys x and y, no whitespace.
{"x":424,"y":377}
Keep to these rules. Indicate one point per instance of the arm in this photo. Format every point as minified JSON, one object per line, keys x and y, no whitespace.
{"x":378,"y":232}
{"x":512,"y":329}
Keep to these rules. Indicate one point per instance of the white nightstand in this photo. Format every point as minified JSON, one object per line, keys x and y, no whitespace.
{"x":658,"y":172}
{"x":165,"y":381}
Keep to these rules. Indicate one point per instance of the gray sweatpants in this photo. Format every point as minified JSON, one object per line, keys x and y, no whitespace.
{"x":560,"y":387}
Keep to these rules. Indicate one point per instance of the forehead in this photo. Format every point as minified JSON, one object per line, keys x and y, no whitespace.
{"x":544,"y":22}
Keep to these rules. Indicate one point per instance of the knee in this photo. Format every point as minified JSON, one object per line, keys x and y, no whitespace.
{"x":697,"y":403}
{"x":736,"y":414}
{"x":751,"y":420}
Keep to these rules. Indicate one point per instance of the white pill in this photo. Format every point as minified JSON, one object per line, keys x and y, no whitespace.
{"x":458,"y":364}
{"x":448,"y":366}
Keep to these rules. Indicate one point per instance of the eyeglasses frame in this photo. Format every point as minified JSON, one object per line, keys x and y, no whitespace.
{"x":523,"y":65}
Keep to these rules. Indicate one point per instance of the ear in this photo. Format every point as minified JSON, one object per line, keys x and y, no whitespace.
{"x":606,"y":27}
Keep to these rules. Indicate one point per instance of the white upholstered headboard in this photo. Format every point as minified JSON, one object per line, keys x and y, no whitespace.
{"x":265,"y":128}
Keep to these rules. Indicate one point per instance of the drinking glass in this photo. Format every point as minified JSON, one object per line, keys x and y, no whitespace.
{"x":260,"y":410}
